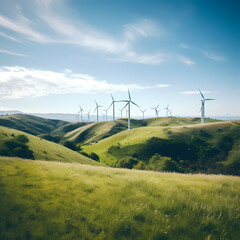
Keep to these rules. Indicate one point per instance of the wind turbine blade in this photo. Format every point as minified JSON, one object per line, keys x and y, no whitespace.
{"x":201,"y":94}
{"x":121,"y":101}
{"x":207,"y":99}
{"x":95,"y":109}
{"x":112,"y":96}
{"x":157,"y":106}
{"x":129,"y":95}
{"x":96,"y":102}
{"x":134,"y":103}
{"x":110,"y":105}
{"x":125,"y":106}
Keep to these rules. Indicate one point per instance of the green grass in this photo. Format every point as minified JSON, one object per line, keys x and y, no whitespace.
{"x":45,"y":150}
{"x":31,"y":124}
{"x":136,"y":141}
{"x":49,"y":200}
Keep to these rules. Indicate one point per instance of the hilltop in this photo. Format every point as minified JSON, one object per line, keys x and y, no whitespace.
{"x":41,"y":148}
{"x":212,"y":147}
{"x":49,"y":200}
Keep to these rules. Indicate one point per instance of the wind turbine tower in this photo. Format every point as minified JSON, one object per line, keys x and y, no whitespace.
{"x":106,"y":116}
{"x":203,"y":106}
{"x":143,"y":111}
{"x":121,"y":110}
{"x":81,"y":111}
{"x":129,"y":101}
{"x":88,"y":116}
{"x":167,"y":110}
{"x":156,"y":110}
{"x":112,"y":104}
{"x":96,"y":109}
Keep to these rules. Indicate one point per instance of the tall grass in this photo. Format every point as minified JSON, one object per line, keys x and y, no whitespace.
{"x":48,"y":200}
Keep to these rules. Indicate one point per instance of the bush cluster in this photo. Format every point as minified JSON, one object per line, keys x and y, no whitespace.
{"x":16,"y":147}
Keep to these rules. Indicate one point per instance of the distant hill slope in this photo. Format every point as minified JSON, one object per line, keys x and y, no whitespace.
{"x":49,"y":200}
{"x":45,"y":150}
{"x":208,"y":147}
{"x":31,"y":124}
{"x":97,"y":131}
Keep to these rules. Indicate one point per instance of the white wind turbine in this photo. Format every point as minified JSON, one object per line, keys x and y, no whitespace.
{"x":106,"y":116}
{"x":77,"y":116}
{"x":97,"y":107}
{"x":203,"y":106}
{"x":121,"y":110}
{"x":156,"y":110}
{"x":129,"y":101}
{"x":88,"y":116}
{"x":113,"y":104}
{"x":81,"y":111}
{"x":143,"y":111}
{"x":167,"y":110}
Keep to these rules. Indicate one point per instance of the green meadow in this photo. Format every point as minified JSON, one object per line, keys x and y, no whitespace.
{"x":53,"y":200}
{"x":45,"y":150}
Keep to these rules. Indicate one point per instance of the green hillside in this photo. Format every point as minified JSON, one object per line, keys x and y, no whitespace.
{"x":43,"y":149}
{"x":31,"y":124}
{"x":212,"y":147}
{"x":48,"y":200}
{"x":97,"y":131}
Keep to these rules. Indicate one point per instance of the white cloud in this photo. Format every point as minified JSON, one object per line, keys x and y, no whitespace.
{"x":18,"y":82}
{"x":186,"y":61}
{"x":153,"y":59}
{"x":163,"y":85}
{"x":21,"y":25}
{"x":12,"y":53}
{"x":194,"y":92}
{"x":213,"y":56}
{"x":9,"y":37}
{"x":63,"y":31}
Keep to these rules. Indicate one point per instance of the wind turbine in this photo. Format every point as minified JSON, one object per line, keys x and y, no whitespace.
{"x":129,"y":101}
{"x":156,"y":110}
{"x":97,"y":107}
{"x":143,"y":111}
{"x":112,"y":104}
{"x":106,"y":116}
{"x":77,"y":116}
{"x":81,"y":111}
{"x":167,"y":110}
{"x":203,"y":106}
{"x":88,"y":115}
{"x":121,"y":110}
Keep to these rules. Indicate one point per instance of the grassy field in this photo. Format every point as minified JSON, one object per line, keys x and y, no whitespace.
{"x":45,"y":150}
{"x":221,"y":139}
{"x":49,"y":200}
{"x":95,"y":132}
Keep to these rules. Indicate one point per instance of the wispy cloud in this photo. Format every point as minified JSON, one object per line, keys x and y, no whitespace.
{"x":63,"y":31}
{"x":18,"y":82}
{"x":163,"y":85}
{"x":194,"y":92}
{"x":12,"y":53}
{"x":9,"y":37}
{"x":213,"y":56}
{"x":186,"y":60}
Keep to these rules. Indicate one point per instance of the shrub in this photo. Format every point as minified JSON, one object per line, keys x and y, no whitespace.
{"x":71,"y":146}
{"x":127,"y":162}
{"x":94,"y":156}
{"x":17,"y":147}
{"x":160,"y":163}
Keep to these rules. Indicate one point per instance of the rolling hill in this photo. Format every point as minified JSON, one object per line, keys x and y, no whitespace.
{"x":196,"y":147}
{"x":43,"y":149}
{"x":31,"y":124}
{"x":49,"y":200}
{"x":97,"y":131}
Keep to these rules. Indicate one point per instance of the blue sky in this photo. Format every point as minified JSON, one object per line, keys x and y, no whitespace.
{"x":56,"y":54}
